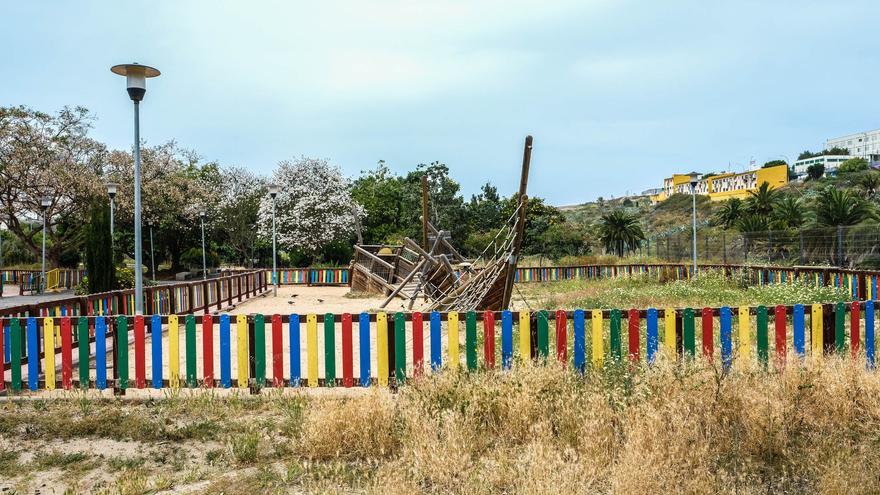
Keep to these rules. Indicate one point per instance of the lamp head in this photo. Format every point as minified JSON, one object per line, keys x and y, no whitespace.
{"x":111,"y":189}
{"x":136,"y":78}
{"x":273,"y":190}
{"x":45,"y":201}
{"x":202,"y":214}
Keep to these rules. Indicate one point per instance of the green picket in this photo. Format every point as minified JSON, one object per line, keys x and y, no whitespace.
{"x":688,"y":332}
{"x":15,"y":352}
{"x":615,"y":335}
{"x":400,"y":348}
{"x":260,"y":350}
{"x":543,"y":335}
{"x":122,"y":351}
{"x":471,"y":340}
{"x":329,"y":350}
{"x":839,"y":335}
{"x":83,"y":347}
{"x":191,"y":380}
{"x":763,"y":337}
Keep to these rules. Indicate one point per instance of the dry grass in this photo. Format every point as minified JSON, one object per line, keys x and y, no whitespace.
{"x":679,"y":427}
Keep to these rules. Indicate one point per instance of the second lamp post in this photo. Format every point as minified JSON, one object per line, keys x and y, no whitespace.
{"x":273,"y":192}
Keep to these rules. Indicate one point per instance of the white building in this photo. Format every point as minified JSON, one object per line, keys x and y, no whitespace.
{"x":831,"y":162}
{"x":863,"y":144}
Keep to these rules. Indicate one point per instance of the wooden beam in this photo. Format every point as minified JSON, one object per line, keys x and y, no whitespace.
{"x":402,"y":283}
{"x":374,"y":258}
{"x":521,"y":221}
{"x":425,"y":211}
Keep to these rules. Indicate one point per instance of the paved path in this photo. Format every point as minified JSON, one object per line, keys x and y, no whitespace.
{"x":11,"y":297}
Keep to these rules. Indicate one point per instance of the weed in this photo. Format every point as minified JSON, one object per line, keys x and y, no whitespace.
{"x":244,"y":447}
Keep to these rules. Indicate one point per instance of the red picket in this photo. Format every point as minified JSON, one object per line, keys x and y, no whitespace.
{"x":67,"y":354}
{"x":418,"y":344}
{"x":347,"y":366}
{"x":708,"y":334}
{"x":633,"y":324}
{"x":781,"y":341}
{"x":489,"y":339}
{"x":277,"y":352}
{"x":208,"y":351}
{"x":140,"y":372}
{"x":854,"y":329}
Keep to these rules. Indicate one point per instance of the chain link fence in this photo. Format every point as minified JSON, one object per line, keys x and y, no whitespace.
{"x":846,"y":247}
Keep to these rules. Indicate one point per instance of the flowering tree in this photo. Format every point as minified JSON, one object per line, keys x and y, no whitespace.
{"x":314,"y":207}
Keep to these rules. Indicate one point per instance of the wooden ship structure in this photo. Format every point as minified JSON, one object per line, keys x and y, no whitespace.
{"x":436,"y":272}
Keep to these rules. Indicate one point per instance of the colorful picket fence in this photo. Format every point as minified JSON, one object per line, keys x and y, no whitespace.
{"x":389,"y":349}
{"x":311,"y":276}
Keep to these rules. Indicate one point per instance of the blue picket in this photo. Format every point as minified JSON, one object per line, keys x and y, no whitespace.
{"x":364,"y":328}
{"x":506,"y":339}
{"x":797,"y":317}
{"x":100,"y":353}
{"x":225,"y":353}
{"x":436,"y":360}
{"x":653,"y":339}
{"x":869,"y":334}
{"x":33,"y":353}
{"x":295,"y":359}
{"x":156,"y":346}
{"x":580,"y":356}
{"x":726,"y":342}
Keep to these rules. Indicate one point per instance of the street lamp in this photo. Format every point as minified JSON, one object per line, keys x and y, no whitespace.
{"x":111,"y":192}
{"x":152,"y":259}
{"x":136,"y":84}
{"x":45,"y":201}
{"x":694,"y":181}
{"x":204,"y":262}
{"x":273,"y":192}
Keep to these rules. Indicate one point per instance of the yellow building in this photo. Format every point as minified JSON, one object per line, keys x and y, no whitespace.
{"x":726,"y":185}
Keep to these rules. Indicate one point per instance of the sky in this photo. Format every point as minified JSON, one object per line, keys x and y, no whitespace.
{"x":617,"y":94}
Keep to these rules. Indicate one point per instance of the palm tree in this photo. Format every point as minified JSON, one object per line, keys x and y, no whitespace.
{"x":789,"y":212}
{"x":620,"y":232}
{"x":729,"y":213}
{"x":751,"y":223}
{"x":762,"y":200}
{"x":841,"y":207}
{"x":870,"y":183}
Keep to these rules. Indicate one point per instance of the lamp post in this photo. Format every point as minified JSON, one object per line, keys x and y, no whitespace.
{"x":45,"y":201}
{"x":273,"y":192}
{"x":152,"y":259}
{"x":2,"y":277}
{"x":136,"y":84}
{"x":694,"y":180}
{"x":111,"y":192}
{"x":204,"y":259}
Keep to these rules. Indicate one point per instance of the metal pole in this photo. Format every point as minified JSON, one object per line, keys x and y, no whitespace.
{"x":840,"y":245}
{"x":138,"y":248}
{"x":694,"y":195}
{"x":112,"y":240}
{"x":43,"y":269}
{"x":2,"y":277}
{"x":274,"y":259}
{"x":152,"y":259}
{"x":204,"y":259}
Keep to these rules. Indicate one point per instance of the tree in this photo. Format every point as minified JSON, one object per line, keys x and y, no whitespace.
{"x":729,"y":213}
{"x":484,"y":209}
{"x":789,"y":212}
{"x":815,"y":171}
{"x":853,"y":165}
{"x":48,"y":155}
{"x":620,"y":232}
{"x":240,"y":196}
{"x":100,"y":265}
{"x":869,"y":183}
{"x":314,"y":207}
{"x":175,"y":187}
{"x":762,"y":200}
{"x":774,"y":163}
{"x":380,"y":193}
{"x":835,"y":207}
{"x":752,"y":222}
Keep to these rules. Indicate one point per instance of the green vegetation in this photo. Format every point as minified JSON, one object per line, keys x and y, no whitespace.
{"x":709,"y":289}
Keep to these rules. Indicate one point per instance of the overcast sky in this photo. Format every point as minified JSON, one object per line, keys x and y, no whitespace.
{"x":617,"y":94}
